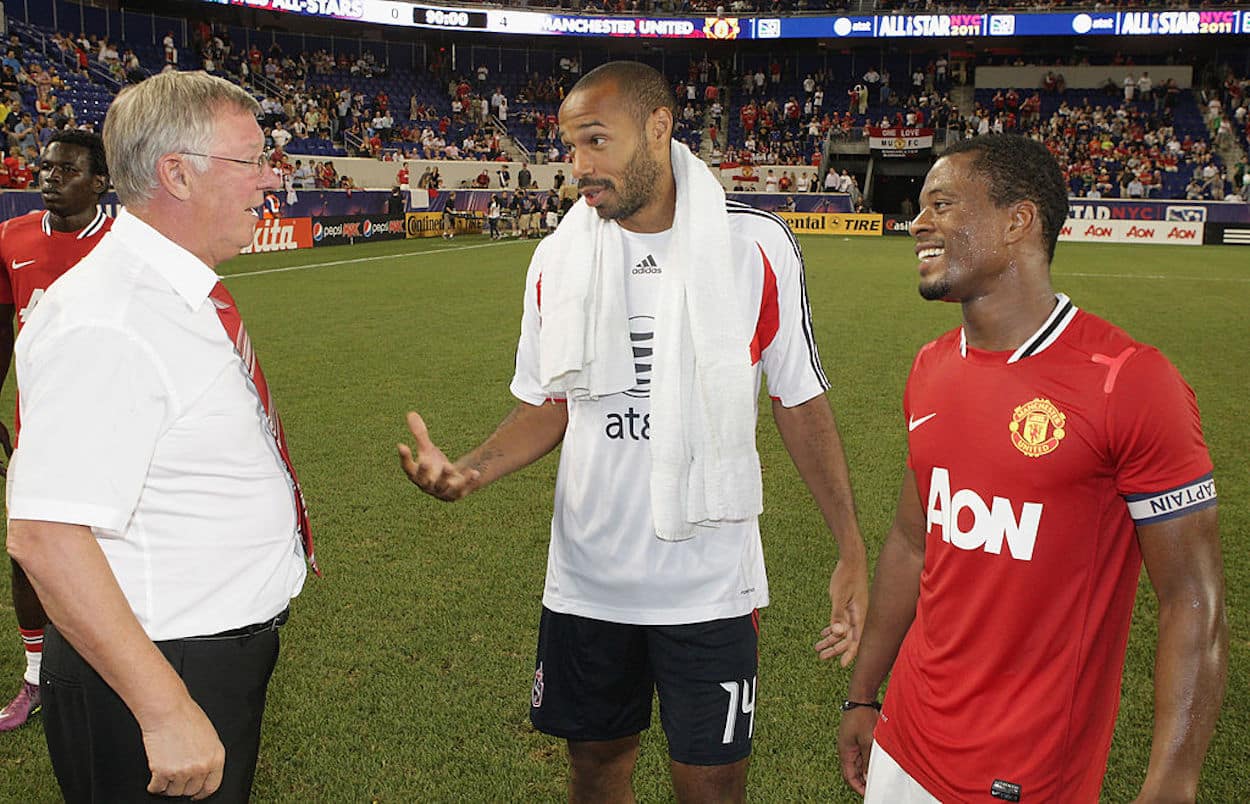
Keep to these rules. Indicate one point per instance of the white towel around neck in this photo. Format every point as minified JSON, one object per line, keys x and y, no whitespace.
{"x":704,"y":467}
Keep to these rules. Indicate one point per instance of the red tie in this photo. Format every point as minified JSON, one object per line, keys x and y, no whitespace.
{"x":228,"y":312}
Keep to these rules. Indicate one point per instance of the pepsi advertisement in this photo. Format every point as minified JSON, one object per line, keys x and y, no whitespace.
{"x":339,"y":230}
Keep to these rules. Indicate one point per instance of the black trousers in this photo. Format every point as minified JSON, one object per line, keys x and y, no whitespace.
{"x":94,"y":741}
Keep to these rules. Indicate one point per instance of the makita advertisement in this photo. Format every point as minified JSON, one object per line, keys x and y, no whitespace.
{"x":280,"y":234}
{"x":339,"y":230}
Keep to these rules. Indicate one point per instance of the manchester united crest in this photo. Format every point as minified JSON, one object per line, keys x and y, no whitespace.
{"x":1037,"y":427}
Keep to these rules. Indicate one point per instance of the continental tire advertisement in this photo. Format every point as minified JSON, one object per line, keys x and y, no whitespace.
{"x":829,"y":223}
{"x":424,"y":224}
{"x":338,"y":230}
{"x":430,"y":224}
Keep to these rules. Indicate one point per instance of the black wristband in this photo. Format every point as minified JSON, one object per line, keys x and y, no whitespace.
{"x":848,"y":705}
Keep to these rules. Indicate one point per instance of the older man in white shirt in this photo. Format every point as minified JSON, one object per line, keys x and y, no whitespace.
{"x":167,"y":560}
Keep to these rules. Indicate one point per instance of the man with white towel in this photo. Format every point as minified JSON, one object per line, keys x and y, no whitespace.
{"x":660,"y":304}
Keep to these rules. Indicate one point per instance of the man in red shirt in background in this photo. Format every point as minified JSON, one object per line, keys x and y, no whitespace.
{"x":1049,"y":456}
{"x":20,"y":175}
{"x":36,"y":248}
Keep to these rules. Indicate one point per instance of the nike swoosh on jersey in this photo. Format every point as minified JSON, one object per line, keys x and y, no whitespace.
{"x":913,"y":422}
{"x":23,"y":264}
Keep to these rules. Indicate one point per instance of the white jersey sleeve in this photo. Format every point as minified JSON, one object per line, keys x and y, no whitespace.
{"x":526,"y":385}
{"x":784,"y":336}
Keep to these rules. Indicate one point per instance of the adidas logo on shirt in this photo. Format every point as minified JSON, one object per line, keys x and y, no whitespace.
{"x":647,"y":266}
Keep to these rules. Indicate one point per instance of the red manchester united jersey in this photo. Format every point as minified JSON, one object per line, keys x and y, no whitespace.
{"x":34,"y":256}
{"x":1034,"y":469}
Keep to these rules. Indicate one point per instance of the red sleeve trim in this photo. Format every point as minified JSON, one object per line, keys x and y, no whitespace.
{"x":769,"y":320}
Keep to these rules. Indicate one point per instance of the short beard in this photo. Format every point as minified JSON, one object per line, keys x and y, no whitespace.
{"x":637,"y":185}
{"x":935,"y":291}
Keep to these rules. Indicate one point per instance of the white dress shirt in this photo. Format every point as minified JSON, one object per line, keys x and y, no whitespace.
{"x":140,"y":421}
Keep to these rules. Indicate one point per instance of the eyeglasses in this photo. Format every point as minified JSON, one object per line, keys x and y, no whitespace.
{"x":259,"y":163}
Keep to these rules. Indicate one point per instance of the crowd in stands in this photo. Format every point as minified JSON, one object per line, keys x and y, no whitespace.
{"x":1118,"y":142}
{"x":785,"y":122}
{"x":763,"y":114}
{"x":31,"y":111}
{"x":1120,"y":148}
{"x":1228,"y":121}
{"x":1119,"y":151}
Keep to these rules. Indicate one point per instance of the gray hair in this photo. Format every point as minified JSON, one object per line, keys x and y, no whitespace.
{"x":172,"y":112}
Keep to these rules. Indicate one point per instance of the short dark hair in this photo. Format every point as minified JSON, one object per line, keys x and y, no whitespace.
{"x":642,"y":86}
{"x":1020,"y":169}
{"x":89,"y":140}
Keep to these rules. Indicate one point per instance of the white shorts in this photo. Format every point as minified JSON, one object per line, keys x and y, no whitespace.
{"x":888,"y":783}
{"x":553,"y":220}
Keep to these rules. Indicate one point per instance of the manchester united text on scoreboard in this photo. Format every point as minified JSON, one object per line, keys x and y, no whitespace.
{"x":880,"y":26}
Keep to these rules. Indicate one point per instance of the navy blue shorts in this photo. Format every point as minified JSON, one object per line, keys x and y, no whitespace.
{"x":594,"y":680}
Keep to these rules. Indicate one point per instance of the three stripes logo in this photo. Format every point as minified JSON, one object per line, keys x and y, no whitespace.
{"x":1236,"y":237}
{"x":642,"y":334}
{"x":647,"y":265}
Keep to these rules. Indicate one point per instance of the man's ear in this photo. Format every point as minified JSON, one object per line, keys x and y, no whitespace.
{"x":1025,"y":220}
{"x":659,"y":125}
{"x":174,"y":175}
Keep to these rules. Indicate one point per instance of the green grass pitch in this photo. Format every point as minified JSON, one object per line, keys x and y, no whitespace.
{"x":406,"y":671}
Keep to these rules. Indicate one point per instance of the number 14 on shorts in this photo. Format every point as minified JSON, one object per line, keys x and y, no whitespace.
{"x":741,"y":699}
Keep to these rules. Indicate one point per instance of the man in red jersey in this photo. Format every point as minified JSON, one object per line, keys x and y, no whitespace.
{"x":36,"y":248}
{"x":1049,"y":456}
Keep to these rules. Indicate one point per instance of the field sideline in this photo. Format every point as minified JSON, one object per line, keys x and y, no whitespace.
{"x":406,"y":671}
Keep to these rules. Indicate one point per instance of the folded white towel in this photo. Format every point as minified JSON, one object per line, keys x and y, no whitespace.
{"x":584,"y":348}
{"x":704,"y":467}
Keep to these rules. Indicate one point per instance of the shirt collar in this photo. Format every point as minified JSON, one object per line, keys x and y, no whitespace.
{"x":186,"y":273}
{"x":90,"y":230}
{"x":1046,"y":334}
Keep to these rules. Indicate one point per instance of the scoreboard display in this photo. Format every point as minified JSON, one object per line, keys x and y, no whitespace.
{"x":877,"y":26}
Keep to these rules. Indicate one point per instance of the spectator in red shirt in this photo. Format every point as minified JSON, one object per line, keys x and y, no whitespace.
{"x":21,"y":177}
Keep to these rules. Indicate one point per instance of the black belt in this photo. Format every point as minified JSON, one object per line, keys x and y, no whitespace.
{"x":271,"y":624}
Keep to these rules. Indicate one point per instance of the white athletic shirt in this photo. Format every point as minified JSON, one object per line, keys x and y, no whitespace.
{"x":605,"y":561}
